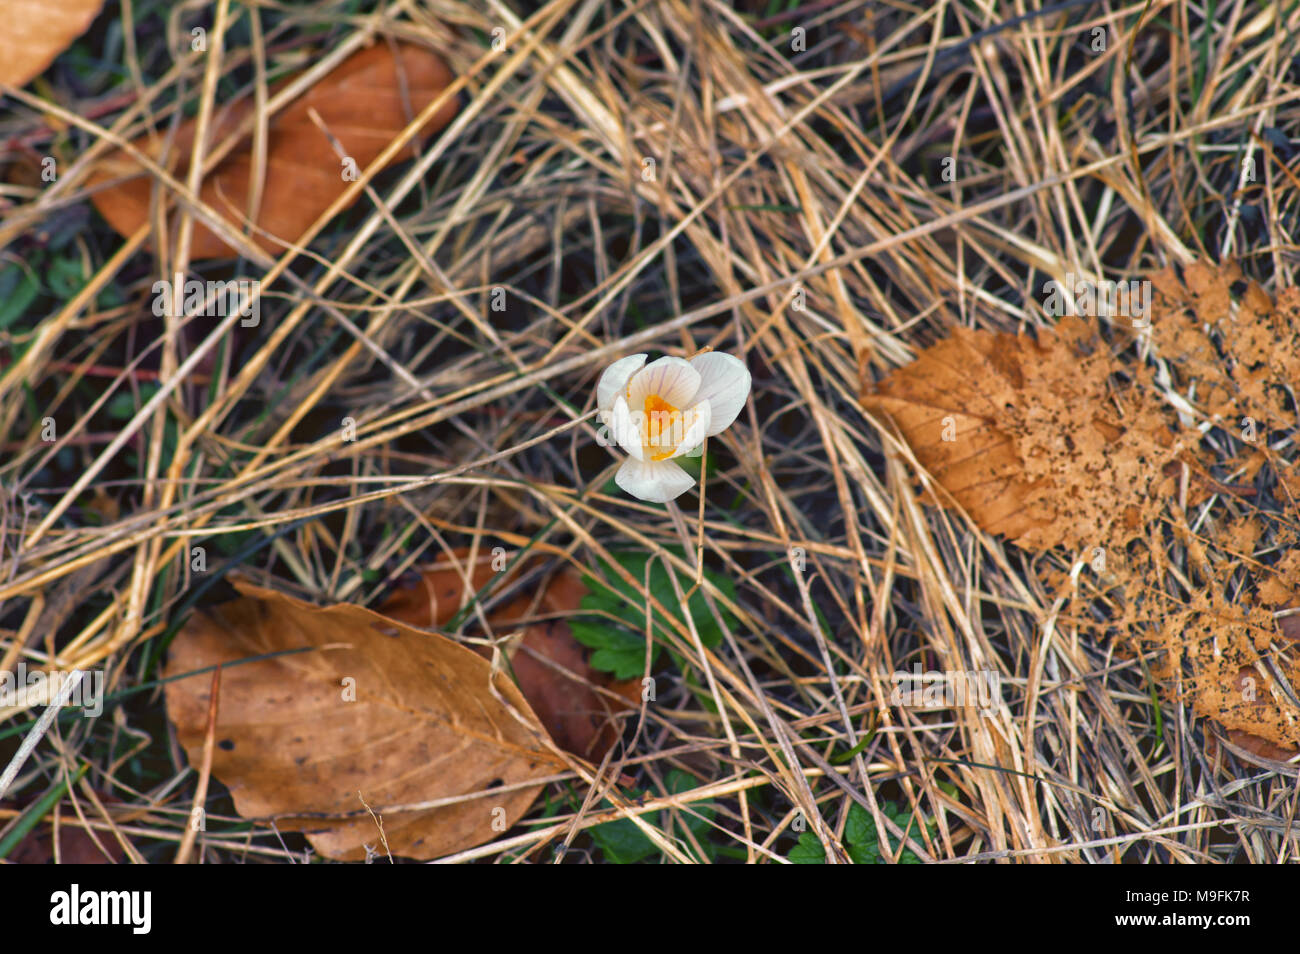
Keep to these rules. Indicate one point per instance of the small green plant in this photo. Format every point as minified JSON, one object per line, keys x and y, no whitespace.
{"x":615,"y":630}
{"x":46,"y":278}
{"x":860,"y":838}
{"x":623,"y":843}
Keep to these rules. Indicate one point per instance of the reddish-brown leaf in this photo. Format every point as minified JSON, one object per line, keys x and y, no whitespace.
{"x":76,"y":846}
{"x":36,"y":31}
{"x":549,"y":664}
{"x":364,"y":103}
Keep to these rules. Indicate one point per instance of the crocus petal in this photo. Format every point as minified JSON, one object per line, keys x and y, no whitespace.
{"x":697,"y":426}
{"x":671,"y":379}
{"x":695,"y":452}
{"x":724,"y":383}
{"x":656,"y":482}
{"x":625,"y":429}
{"x":614,"y":381}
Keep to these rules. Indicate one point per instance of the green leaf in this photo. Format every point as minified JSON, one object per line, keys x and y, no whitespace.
{"x":809,"y":851}
{"x":615,"y":649}
{"x":625,"y":844}
{"x":18,"y":289}
{"x":845,"y":757}
{"x":862,"y":840}
{"x":866,"y":854}
{"x":123,"y":405}
{"x":614,"y":597}
{"x":859,"y":829}
{"x":700,"y":814}
{"x":622,"y":842}
{"x":66,"y":277}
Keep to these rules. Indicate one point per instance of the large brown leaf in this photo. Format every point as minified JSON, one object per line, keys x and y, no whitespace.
{"x":34,"y":32}
{"x":952,"y":390}
{"x":364,"y":103}
{"x":424,"y":725}
{"x":1033,"y":438}
{"x":550,"y":665}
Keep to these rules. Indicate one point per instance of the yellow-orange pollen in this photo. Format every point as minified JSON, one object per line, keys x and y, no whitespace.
{"x":661,"y":417}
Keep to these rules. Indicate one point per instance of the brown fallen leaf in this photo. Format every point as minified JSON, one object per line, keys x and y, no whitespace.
{"x":76,"y":846}
{"x":1052,"y":441}
{"x":1236,"y":355}
{"x":364,"y":103}
{"x":439,"y":590}
{"x":549,"y":664}
{"x":36,"y":31}
{"x":953,"y":389}
{"x":1222,"y":651}
{"x":1264,"y":749}
{"x":1234,"y":352}
{"x":1255,"y":711}
{"x":424,"y":725}
{"x":1030,"y":437}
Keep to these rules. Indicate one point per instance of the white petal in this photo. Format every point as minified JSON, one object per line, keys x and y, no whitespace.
{"x":625,"y":429}
{"x":657,"y":482}
{"x":614,"y":381}
{"x":724,"y":383}
{"x":672,"y":379}
{"x":695,"y":452}
{"x":697,"y":426}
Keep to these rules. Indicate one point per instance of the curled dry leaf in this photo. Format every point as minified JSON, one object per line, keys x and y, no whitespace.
{"x":290,"y":739}
{"x":1254,"y":745}
{"x":36,"y":31}
{"x":365,"y":102}
{"x":1036,"y":440}
{"x":550,"y":665}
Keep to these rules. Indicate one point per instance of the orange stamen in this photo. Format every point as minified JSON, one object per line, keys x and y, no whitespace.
{"x":657,"y":412}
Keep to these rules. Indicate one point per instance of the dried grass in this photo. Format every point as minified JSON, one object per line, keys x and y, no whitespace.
{"x":781,"y":177}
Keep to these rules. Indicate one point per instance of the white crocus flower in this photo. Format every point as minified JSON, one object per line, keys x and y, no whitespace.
{"x":665,"y":409}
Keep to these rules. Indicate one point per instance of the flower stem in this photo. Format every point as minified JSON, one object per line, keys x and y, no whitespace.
{"x":679,"y":522}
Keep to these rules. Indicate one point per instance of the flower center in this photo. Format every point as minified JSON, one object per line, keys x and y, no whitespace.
{"x":661,"y":419}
